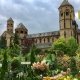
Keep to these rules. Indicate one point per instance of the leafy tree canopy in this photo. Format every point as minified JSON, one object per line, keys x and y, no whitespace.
{"x":72,"y":46}
{"x":67,"y":46}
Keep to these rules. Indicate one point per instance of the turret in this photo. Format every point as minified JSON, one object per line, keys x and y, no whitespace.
{"x":66,"y":17}
{"x":21,"y":30}
{"x":10,"y":25}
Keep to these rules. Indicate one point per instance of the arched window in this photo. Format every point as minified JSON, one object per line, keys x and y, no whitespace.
{"x":11,"y":24}
{"x":61,"y":14}
{"x":67,"y":12}
{"x":21,"y":31}
{"x":48,"y":39}
{"x":40,"y":40}
{"x":44,"y":40}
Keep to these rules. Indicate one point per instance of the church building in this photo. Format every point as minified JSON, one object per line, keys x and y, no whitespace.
{"x":67,"y":24}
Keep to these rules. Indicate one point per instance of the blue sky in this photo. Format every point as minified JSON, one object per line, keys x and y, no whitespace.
{"x":37,"y":15}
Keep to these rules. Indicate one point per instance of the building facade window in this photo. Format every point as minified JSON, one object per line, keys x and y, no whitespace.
{"x":11,"y":24}
{"x":44,"y":40}
{"x":67,"y":13}
{"x":48,"y":39}
{"x":61,"y":14}
{"x":21,"y":31}
{"x":40,"y":40}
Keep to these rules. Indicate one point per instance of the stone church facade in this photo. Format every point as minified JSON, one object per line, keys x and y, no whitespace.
{"x":67,"y":24}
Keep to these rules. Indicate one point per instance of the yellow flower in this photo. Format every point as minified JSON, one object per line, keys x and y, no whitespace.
{"x":65,"y":78}
{"x":47,"y":78}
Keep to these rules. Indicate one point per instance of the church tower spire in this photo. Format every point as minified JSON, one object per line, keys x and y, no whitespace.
{"x":10,"y":25}
{"x":66,"y":16}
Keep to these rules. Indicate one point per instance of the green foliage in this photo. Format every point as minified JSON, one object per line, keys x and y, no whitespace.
{"x":15,"y":65}
{"x":1,"y":54}
{"x":32,"y":55}
{"x":66,"y":46}
{"x":4,"y":65}
{"x":14,"y":50}
{"x":5,"y":62}
{"x":16,"y":39}
{"x":37,"y":51}
{"x":60,"y":45}
{"x":3,"y":42}
{"x":78,"y":52}
{"x":72,"y":46}
{"x":73,"y":67}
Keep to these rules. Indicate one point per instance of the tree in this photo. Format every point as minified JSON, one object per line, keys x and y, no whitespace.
{"x":3,"y":42}
{"x":72,"y":46}
{"x":73,"y":67}
{"x":66,"y":46}
{"x":15,"y":50}
{"x":15,"y":65}
{"x":4,"y":65}
{"x":16,"y":39}
{"x":14,"y":47}
{"x":37,"y":51}
{"x":60,"y":45}
{"x":5,"y":62}
{"x":78,"y":52}
{"x":32,"y":55}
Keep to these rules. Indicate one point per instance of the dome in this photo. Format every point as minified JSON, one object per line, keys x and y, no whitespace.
{"x":65,"y":3}
{"x":21,"y":26}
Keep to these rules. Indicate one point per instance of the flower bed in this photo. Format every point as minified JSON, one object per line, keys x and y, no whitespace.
{"x":60,"y":77}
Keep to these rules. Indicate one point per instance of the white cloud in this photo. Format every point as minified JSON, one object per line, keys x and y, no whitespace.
{"x":76,"y":1}
{"x":37,"y":15}
{"x":76,"y":15}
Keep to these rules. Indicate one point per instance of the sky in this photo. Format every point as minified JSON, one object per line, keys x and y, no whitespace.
{"x":37,"y":15}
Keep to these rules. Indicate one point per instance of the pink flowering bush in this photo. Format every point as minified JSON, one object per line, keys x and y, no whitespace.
{"x":40,"y":67}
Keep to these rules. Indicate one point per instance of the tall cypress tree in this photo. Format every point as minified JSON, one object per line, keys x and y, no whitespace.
{"x":32,"y":56}
{"x":16,"y":39}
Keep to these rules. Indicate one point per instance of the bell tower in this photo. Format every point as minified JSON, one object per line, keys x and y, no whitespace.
{"x":10,"y":25}
{"x":66,"y":17}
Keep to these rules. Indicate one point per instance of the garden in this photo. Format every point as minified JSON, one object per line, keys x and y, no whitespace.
{"x":59,"y":62}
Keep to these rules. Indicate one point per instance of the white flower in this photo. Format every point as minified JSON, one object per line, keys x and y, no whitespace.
{"x":75,"y":79}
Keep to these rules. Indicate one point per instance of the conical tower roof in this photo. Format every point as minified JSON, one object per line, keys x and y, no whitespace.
{"x":10,"y":19}
{"x":21,"y":26}
{"x":65,"y":3}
